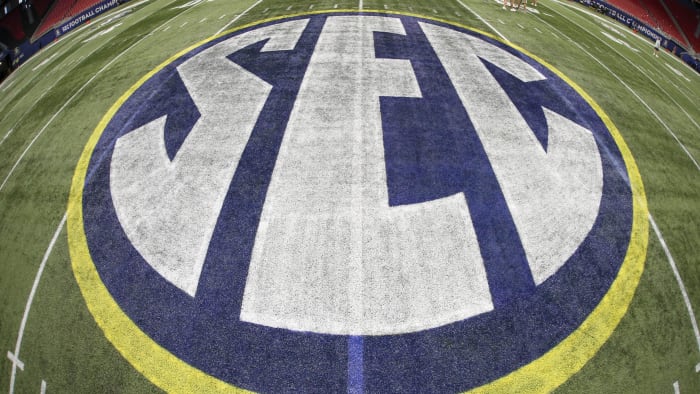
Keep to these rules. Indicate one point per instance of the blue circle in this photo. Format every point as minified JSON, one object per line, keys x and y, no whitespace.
{"x":205,"y":331}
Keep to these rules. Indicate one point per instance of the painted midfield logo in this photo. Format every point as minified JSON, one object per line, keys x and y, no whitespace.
{"x":344,"y":201}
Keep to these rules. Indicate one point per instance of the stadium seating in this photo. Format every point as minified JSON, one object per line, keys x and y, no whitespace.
{"x":12,"y":23}
{"x":688,"y":17}
{"x":57,"y":13}
{"x":653,"y":13}
{"x":61,"y":10}
{"x":81,"y":5}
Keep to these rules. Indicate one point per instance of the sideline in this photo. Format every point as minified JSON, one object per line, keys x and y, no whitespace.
{"x":14,"y":357}
{"x":651,"y":111}
{"x":677,"y":274}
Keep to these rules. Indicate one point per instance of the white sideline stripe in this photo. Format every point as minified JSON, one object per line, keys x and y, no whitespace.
{"x":658,"y":118}
{"x":611,"y":22}
{"x":70,"y":100}
{"x":30,"y":300}
{"x":226,"y":26}
{"x":676,"y":387}
{"x":677,"y":274}
{"x":484,"y":20}
{"x":7,"y":135}
{"x":646,"y":74}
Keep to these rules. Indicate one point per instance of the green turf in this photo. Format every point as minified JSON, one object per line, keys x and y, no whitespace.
{"x":654,"y":345}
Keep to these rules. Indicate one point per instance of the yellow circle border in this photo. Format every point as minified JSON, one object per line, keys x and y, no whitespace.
{"x":174,"y":375}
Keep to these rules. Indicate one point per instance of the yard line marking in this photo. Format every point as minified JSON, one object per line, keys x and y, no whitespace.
{"x":237,"y":17}
{"x":434,"y":11}
{"x":555,"y":35}
{"x":677,"y":274}
{"x":386,"y":7}
{"x":538,"y":30}
{"x":222,"y":16}
{"x":203,"y":19}
{"x":7,"y":135}
{"x":457,"y":13}
{"x":166,"y":29}
{"x":676,"y":387}
{"x":355,"y":365}
{"x":359,"y":6}
{"x":289,"y":8}
{"x":184,"y":24}
{"x":30,"y":300}
{"x":311,"y":6}
{"x":651,"y":111}
{"x":45,"y":92}
{"x":484,"y":20}
{"x":43,"y":387}
{"x":265,"y":11}
{"x":44,"y":62}
{"x":335,"y":5}
{"x":521,"y":26}
{"x":70,"y":100}
{"x":697,"y":368}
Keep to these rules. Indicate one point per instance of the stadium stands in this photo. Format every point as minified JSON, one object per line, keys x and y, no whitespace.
{"x":81,"y":5}
{"x":688,"y":17}
{"x":57,"y":13}
{"x":653,"y":13}
{"x":62,"y":10}
{"x":12,"y":24}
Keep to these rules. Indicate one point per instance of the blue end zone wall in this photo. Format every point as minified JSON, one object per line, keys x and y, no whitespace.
{"x":634,"y":23}
{"x":28,"y":49}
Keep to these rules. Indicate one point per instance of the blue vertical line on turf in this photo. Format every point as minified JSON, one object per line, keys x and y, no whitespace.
{"x":355,"y":365}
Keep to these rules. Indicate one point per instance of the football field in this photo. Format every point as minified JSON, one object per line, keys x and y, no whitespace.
{"x":612,"y":309}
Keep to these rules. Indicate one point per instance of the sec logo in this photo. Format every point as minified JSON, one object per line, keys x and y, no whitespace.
{"x":355,"y":202}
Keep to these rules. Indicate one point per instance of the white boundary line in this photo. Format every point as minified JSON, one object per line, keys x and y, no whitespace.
{"x":483,"y":20}
{"x":15,"y":357}
{"x":658,"y":118}
{"x":226,"y":26}
{"x":643,"y":72}
{"x":677,"y":274}
{"x":7,"y":135}
{"x":70,"y":100}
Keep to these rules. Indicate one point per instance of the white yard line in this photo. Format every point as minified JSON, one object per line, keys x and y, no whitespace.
{"x":651,"y":111}
{"x":76,"y":94}
{"x":483,"y":20}
{"x":14,"y":357}
{"x":7,"y":135}
{"x":677,"y":274}
{"x":360,"y":6}
{"x":226,"y":26}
